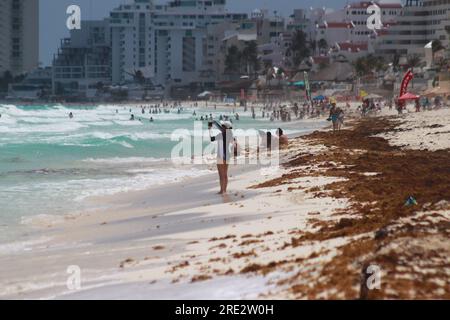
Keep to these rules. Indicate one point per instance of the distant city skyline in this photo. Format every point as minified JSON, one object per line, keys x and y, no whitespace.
{"x":53,"y":15}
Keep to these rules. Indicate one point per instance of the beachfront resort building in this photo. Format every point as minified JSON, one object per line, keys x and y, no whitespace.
{"x":132,"y":40}
{"x":167,"y":43}
{"x":83,"y":61}
{"x":220,"y":38}
{"x":37,"y":84}
{"x":348,"y":28}
{"x":276,"y":52}
{"x":420,"y":22}
{"x":359,"y":12}
{"x":19,"y":36}
{"x":406,"y":27}
{"x":267,"y":26}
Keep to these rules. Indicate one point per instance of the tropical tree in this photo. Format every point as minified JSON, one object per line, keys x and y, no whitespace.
{"x":437,"y":45}
{"x":396,"y":61}
{"x":139,"y":77}
{"x":413,"y":60}
{"x":299,"y":49}
{"x":232,"y":60}
{"x":5,"y":80}
{"x":100,"y":86}
{"x":249,"y":58}
{"x":323,"y":65}
{"x":368,"y":64}
{"x":313,"y":46}
{"x":322,"y":44}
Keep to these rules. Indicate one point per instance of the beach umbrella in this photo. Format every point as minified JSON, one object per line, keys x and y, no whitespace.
{"x":319,"y":98}
{"x":204,"y":94}
{"x":373,"y":96}
{"x":408,"y":96}
{"x":437,"y":91}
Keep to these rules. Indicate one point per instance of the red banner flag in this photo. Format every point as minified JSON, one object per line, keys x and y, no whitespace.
{"x":404,"y":87}
{"x":406,"y":79}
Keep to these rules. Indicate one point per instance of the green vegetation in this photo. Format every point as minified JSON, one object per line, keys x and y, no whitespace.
{"x":245,"y":61}
{"x":300,"y":49}
{"x":369,"y":64}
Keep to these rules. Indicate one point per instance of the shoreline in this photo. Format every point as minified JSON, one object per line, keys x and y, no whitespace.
{"x":306,"y":231}
{"x":13,"y":222}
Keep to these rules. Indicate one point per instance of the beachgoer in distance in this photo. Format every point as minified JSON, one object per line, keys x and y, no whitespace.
{"x":336,"y":117}
{"x":283,"y":139}
{"x":417,"y":105}
{"x":225,"y":142}
{"x":71,"y":115}
{"x":340,"y":118}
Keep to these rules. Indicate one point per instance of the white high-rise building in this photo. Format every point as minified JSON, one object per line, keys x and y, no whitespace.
{"x":406,"y":27}
{"x":167,"y":43}
{"x":19,"y":35}
{"x":132,"y":40}
{"x":350,"y":24}
{"x":358,"y":14}
{"x":420,"y":22}
{"x":83,"y":61}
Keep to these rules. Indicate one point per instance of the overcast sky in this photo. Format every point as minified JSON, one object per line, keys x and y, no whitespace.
{"x":53,"y":15}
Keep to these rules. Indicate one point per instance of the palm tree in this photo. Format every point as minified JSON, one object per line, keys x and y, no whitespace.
{"x":249,"y":57}
{"x":437,"y":45}
{"x":299,"y":48}
{"x":232,"y":60}
{"x":100,"y":87}
{"x":413,"y":61}
{"x":396,"y":61}
{"x":322,"y":44}
{"x":138,"y":76}
{"x":361,"y":66}
{"x":313,"y":46}
{"x":366,"y":65}
{"x":6,"y":80}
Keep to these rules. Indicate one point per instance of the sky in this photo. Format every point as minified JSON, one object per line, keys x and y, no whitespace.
{"x":53,"y":15}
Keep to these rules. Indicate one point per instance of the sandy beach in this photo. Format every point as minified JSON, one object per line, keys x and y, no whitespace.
{"x":304,"y":230}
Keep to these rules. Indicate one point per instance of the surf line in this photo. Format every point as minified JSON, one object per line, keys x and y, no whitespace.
{"x":186,"y":310}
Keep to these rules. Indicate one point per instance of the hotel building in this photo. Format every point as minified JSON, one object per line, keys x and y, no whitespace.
{"x":19,"y":36}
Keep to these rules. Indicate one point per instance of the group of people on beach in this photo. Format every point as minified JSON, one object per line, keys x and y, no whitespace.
{"x":336,"y":117}
{"x":227,"y":146}
{"x":286,"y":113}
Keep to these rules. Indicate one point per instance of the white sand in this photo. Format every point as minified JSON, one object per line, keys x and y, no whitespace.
{"x":138,"y":248}
{"x":173,"y":217}
{"x":423,"y":130}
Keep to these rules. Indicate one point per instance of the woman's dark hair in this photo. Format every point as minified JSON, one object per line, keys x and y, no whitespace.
{"x":280,"y":131}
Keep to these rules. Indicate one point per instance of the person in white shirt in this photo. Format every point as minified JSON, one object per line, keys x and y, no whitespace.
{"x":225,"y":144}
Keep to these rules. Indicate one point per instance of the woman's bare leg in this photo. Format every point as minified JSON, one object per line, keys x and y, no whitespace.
{"x":225,"y":178}
{"x":219,"y":169}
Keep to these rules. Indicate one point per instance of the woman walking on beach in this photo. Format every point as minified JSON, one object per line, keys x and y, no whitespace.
{"x":336,"y":117}
{"x":225,"y":143}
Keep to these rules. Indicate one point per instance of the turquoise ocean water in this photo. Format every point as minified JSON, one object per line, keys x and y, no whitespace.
{"x":49,"y":163}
